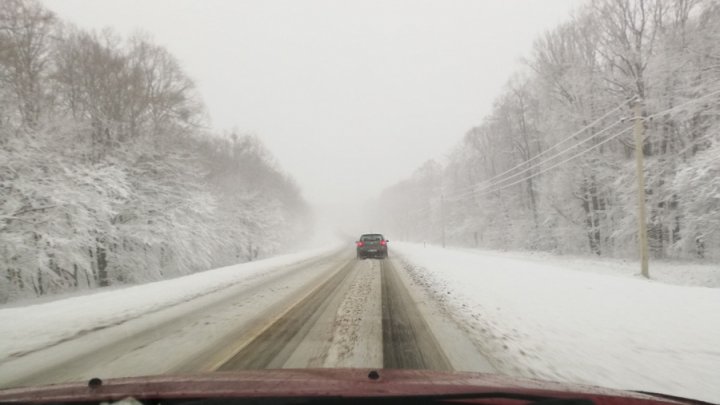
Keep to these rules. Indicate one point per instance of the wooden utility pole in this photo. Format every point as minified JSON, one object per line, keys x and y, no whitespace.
{"x":642,"y":225}
{"x":442,"y":217}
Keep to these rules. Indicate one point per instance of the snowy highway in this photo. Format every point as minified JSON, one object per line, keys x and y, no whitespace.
{"x":548,"y":317}
{"x":329,"y":310}
{"x":186,"y":189}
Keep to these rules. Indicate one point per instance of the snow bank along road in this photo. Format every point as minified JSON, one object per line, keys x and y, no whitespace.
{"x":582,"y":320}
{"x":325,"y":310}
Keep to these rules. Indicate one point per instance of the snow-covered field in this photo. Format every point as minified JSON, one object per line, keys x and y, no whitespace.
{"x":665,"y":271}
{"x":581,"y":320}
{"x":32,"y":327}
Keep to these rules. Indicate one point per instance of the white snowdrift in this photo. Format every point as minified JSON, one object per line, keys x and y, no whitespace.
{"x":33,"y":327}
{"x":557,"y":323}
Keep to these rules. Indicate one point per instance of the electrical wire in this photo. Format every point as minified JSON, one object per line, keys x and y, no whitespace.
{"x":492,"y":188}
{"x":580,"y":143}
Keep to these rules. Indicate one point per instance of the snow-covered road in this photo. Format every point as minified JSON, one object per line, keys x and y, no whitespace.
{"x":425,"y":307}
{"x":154,"y":328}
{"x":316,"y":309}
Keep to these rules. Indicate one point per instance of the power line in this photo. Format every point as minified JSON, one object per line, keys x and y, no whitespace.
{"x":694,"y":142}
{"x":571,"y":137}
{"x":691,"y":101}
{"x":572,"y":147}
{"x":457,"y":196}
{"x":489,"y":190}
{"x":492,"y":188}
{"x":562,"y":152}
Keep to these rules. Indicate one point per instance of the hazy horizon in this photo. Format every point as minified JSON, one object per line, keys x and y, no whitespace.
{"x":350,"y":97}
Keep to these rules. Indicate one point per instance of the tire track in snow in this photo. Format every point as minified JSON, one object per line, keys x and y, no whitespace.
{"x":274,"y":345}
{"x":408,"y":341}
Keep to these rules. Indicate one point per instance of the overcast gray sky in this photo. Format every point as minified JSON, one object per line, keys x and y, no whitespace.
{"x":350,"y":96}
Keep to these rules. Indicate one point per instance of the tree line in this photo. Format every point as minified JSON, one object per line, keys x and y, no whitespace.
{"x":551,"y":167}
{"x":108,"y":171}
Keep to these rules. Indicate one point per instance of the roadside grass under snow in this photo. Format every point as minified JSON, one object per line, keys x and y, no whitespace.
{"x":32,"y":327}
{"x":544,"y":317}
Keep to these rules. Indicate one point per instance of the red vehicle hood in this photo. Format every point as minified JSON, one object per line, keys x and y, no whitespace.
{"x":324,"y":383}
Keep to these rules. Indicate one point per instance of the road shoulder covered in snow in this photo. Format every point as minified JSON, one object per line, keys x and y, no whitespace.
{"x":42,"y":325}
{"x":555,"y":323}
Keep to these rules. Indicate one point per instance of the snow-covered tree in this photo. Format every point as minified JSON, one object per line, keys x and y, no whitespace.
{"x":514,"y":180}
{"x":106,"y":176}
